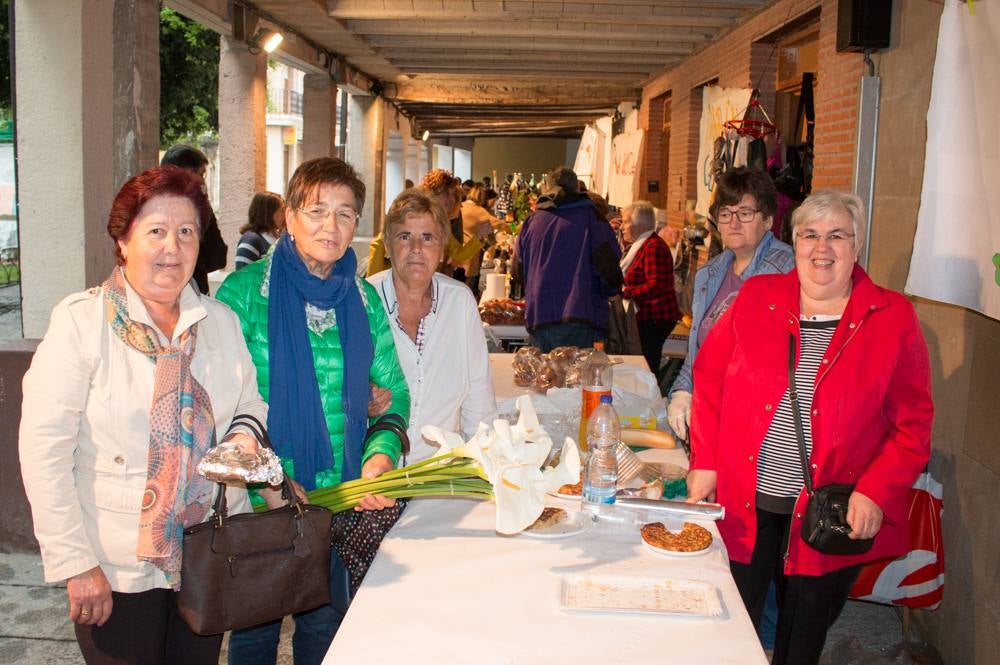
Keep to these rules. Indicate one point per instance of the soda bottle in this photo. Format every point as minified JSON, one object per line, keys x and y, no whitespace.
{"x":600,"y":481}
{"x":595,"y":380}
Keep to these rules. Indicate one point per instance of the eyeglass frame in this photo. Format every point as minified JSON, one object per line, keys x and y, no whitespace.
{"x":838,"y":236}
{"x":324,"y":212}
{"x":735,"y":215}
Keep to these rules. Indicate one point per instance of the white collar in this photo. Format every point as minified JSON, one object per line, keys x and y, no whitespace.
{"x":633,"y":250}
{"x":388,"y":290}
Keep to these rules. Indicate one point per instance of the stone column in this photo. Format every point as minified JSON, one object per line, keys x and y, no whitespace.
{"x":242,"y":140}
{"x":366,"y":152}
{"x":319,"y":119}
{"x":137,"y":87}
{"x":77,"y":138}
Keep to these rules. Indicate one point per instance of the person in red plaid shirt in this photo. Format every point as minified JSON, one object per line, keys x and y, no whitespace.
{"x":649,"y":280}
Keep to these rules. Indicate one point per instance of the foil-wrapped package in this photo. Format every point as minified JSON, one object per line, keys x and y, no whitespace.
{"x":704,"y":511}
{"x":228,"y":462}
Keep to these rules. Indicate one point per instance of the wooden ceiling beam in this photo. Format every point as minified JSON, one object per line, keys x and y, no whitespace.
{"x":443,"y":90}
{"x":468,"y":110}
{"x":507,"y":32}
{"x":524,"y":6}
{"x":525,"y":66}
{"x":528,"y":72}
{"x":397,"y":56}
{"x":647,"y":16}
{"x":553,"y":44}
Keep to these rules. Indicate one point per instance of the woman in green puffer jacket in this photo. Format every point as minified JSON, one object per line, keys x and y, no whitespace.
{"x":322,"y":346}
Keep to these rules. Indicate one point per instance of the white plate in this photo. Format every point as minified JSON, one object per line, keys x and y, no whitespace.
{"x":616,"y":593}
{"x":568,"y":497}
{"x":574,"y":524}
{"x":664,"y":552}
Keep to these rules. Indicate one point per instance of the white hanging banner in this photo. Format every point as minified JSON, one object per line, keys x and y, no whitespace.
{"x":626,"y":153}
{"x":586,"y":155}
{"x":956,"y":250}
{"x":718,"y":106}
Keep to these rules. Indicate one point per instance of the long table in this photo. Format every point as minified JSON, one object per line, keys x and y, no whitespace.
{"x":446,"y":589}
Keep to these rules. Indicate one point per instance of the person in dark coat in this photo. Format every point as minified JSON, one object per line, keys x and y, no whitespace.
{"x":213,"y":250}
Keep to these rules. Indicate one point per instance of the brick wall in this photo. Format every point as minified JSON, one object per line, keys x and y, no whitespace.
{"x":741,"y":59}
{"x":836,"y":107}
{"x":653,"y":150}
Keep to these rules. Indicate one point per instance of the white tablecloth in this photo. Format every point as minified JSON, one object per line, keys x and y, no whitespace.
{"x":447,"y":589}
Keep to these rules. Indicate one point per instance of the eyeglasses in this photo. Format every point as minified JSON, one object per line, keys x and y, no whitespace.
{"x":745,"y":215}
{"x":835,"y":238}
{"x":345,"y":217}
{"x":416,"y":239}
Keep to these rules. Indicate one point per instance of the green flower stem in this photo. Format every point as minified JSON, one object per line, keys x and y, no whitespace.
{"x":410,"y":492}
{"x":441,"y":476}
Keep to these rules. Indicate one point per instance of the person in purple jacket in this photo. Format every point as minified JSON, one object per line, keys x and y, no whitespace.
{"x":569,"y":261}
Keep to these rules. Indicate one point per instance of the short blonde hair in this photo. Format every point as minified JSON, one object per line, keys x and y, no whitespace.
{"x":416,"y":201}
{"x":829,"y":202}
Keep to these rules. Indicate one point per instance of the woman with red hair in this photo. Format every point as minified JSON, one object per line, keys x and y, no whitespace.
{"x":134,"y":381}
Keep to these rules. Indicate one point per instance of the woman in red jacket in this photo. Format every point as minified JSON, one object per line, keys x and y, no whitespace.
{"x":863,"y":379}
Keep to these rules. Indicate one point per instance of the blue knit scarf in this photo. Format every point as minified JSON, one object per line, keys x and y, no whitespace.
{"x":295,"y":420}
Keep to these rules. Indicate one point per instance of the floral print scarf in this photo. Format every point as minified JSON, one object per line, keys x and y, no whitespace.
{"x":181,"y":430}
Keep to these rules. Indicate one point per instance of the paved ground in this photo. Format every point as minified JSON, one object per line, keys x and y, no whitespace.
{"x":10,"y":312}
{"x":34,"y":628}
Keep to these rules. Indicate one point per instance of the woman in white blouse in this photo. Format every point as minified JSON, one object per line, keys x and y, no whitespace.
{"x":436,"y":326}
{"x":134,"y":381}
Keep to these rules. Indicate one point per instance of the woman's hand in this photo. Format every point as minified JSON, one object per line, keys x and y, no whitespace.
{"x":864,"y":516}
{"x":89,"y":597}
{"x":376,"y":465}
{"x":272,"y":495}
{"x":246,"y":443}
{"x":380,"y":401}
{"x":701,"y":485}
{"x":679,"y":413}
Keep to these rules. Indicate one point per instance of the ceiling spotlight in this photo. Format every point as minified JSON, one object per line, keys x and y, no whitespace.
{"x":426,"y":135}
{"x":265,"y":39}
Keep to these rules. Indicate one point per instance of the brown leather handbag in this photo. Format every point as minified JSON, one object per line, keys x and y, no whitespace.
{"x":243,"y":570}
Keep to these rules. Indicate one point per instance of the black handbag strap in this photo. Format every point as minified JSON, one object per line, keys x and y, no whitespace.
{"x":392,"y":422}
{"x":793,"y":397}
{"x":259,"y":432}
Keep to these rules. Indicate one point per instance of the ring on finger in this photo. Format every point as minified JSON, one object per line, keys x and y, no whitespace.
{"x":85,"y":613}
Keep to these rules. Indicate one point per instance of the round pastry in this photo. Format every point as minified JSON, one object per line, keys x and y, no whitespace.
{"x":692,"y":538}
{"x":572,"y":490}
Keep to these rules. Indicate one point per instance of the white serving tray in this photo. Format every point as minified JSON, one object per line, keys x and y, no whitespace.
{"x":617,"y":593}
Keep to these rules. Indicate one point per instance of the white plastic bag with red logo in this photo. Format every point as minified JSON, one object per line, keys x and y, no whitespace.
{"x":915,"y":579}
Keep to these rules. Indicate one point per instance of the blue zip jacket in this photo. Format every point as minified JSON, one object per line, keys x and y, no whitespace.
{"x":771,"y":257}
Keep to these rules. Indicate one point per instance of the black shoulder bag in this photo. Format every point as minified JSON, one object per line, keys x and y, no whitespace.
{"x":824,"y":526}
{"x":242,"y":570}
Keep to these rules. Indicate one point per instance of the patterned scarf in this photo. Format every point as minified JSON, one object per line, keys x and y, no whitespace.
{"x":181,"y":430}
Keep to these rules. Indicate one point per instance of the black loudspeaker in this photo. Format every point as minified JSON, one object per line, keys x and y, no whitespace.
{"x":863,"y":24}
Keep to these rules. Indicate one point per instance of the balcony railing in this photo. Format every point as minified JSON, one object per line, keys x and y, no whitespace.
{"x":284,"y":100}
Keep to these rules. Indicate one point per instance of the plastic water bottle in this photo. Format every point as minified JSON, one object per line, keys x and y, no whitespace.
{"x":595,"y":382}
{"x":600,"y":480}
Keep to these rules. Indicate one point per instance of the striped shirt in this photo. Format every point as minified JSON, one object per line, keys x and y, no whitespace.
{"x":779,"y":469}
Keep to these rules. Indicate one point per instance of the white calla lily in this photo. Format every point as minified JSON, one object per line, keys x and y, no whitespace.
{"x":511,"y":457}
